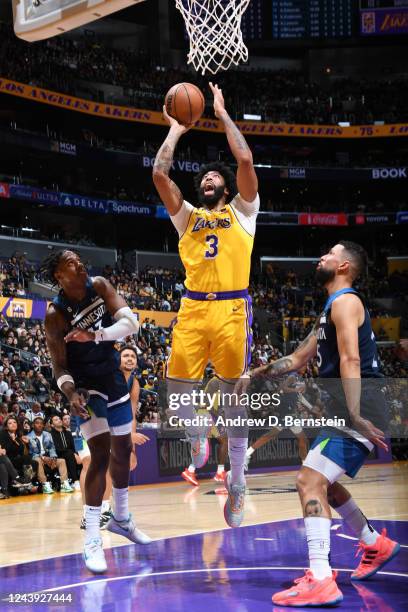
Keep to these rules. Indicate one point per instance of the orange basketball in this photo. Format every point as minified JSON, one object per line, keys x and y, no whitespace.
{"x":185,"y":102}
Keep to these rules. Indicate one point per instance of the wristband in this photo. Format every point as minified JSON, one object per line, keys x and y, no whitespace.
{"x":63,"y":379}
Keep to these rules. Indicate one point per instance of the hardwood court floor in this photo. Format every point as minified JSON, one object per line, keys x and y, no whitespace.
{"x":45,"y":526}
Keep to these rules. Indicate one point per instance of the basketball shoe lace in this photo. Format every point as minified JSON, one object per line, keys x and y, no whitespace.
{"x":308,"y":581}
{"x":369,"y":552}
{"x":94,"y":546}
{"x":305,"y":582}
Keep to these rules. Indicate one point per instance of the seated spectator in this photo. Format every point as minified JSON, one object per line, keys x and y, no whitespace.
{"x":8,"y":475}
{"x":41,"y":387}
{"x":56,"y":405}
{"x":3,"y":384}
{"x":15,"y":444}
{"x":14,"y":407}
{"x":43,"y":451}
{"x":65,"y":447}
{"x":34,"y":412}
{"x":3,"y":413}
{"x":13,"y":389}
{"x":25,"y":427}
{"x":66,"y":421}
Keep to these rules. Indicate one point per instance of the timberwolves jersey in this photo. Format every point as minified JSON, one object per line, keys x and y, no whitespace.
{"x":372,"y":403}
{"x":130,"y":381}
{"x":328,"y":358}
{"x":87,"y":359}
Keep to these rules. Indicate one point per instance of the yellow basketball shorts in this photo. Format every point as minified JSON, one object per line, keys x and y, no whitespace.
{"x":216,"y":331}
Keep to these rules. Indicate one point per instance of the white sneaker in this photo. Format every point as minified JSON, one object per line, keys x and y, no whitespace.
{"x":94,"y":556}
{"x":47,"y":488}
{"x":66,"y":487}
{"x":77,"y":486}
{"x":129,"y":530}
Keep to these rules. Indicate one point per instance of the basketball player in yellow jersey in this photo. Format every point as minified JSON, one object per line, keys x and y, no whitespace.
{"x":214,"y":321}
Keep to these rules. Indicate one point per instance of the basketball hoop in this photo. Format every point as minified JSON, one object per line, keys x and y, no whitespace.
{"x":38,"y":19}
{"x":214,"y":29}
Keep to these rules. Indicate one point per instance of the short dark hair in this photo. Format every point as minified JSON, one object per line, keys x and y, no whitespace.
{"x":358,"y":257}
{"x":51,"y":263}
{"x":225,"y":171}
{"x":39,"y":418}
{"x":128,"y":347}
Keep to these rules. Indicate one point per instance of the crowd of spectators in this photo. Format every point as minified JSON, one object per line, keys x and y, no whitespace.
{"x":282,"y":294}
{"x":151,"y":289}
{"x":284,"y":96}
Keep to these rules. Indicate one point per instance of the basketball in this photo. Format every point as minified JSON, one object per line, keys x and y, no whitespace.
{"x":185,"y":102}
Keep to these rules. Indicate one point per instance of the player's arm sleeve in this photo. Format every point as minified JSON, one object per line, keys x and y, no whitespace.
{"x":126,"y":322}
{"x":181,"y":218}
{"x":246,"y":212}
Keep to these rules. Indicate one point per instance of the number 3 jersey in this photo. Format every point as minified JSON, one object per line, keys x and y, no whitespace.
{"x":216,"y":246}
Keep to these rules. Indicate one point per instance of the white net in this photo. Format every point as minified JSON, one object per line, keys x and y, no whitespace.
{"x":214,"y":29}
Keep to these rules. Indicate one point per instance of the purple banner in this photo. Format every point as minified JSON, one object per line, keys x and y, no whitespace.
{"x":384,"y":22}
{"x":24,"y":192}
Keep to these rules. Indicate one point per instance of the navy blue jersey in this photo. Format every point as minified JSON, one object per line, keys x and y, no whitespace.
{"x":88,"y":359}
{"x":131,"y":381}
{"x":328,"y":358}
{"x":372,"y":404}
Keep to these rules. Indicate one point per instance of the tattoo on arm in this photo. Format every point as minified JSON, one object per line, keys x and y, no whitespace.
{"x":281,"y":366}
{"x":238,"y":138}
{"x":163,"y":164}
{"x":306,"y":341}
{"x":164,"y":157}
{"x":313,"y":508}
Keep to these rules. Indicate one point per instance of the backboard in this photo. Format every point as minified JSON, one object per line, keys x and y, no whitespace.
{"x":39,"y":19}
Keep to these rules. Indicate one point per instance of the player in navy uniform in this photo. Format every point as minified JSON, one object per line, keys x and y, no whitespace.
{"x":81,"y":326}
{"x":344,"y":344}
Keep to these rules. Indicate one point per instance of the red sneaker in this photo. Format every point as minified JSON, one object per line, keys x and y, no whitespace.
{"x":308,"y":591}
{"x":190,"y":477}
{"x":375,"y":556}
{"x":220,"y":476}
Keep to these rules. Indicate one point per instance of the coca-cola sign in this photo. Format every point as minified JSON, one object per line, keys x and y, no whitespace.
{"x":332,"y":219}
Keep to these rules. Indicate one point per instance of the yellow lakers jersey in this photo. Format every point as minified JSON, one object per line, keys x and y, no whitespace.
{"x":216,"y":251}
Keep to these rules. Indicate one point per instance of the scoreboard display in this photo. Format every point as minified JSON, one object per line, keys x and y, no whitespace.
{"x":312,"y":19}
{"x":379,"y":4}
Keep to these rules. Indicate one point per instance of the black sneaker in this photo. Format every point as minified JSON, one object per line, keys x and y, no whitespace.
{"x":83,"y":523}
{"x":17,"y":484}
{"x":105,"y":518}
